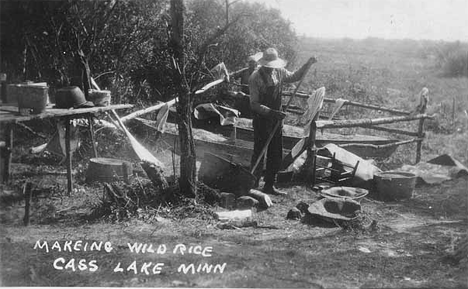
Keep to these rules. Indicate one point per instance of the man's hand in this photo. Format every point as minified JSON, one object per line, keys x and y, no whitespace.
{"x":312,"y":60}
{"x":276,"y":114}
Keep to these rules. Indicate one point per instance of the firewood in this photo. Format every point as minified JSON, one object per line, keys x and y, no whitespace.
{"x":155,"y":174}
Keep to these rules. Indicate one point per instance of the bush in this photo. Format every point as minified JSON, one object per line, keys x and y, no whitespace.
{"x":456,"y":64}
{"x":452,"y":58}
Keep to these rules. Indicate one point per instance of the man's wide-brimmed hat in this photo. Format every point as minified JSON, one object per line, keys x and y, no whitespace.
{"x":271,"y":59}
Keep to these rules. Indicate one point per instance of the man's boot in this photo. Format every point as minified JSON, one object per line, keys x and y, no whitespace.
{"x":269,"y":189}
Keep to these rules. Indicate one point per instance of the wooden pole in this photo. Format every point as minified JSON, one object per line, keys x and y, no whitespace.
{"x":367,"y":122}
{"x":148,"y":110}
{"x":125,"y":170}
{"x":27,"y":193}
{"x":6,"y":153}
{"x":421,"y":137}
{"x":397,"y":131}
{"x":421,"y":134}
{"x":312,"y":148}
{"x":453,"y":109}
{"x":91,"y":133}
{"x":69,"y":155}
{"x":354,"y":103}
{"x":389,"y":145}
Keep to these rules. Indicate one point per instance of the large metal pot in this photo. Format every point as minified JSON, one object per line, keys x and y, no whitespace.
{"x":71,"y":96}
{"x":393,"y":185}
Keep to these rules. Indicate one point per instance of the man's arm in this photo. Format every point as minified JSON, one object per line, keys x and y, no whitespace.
{"x":289,"y":76}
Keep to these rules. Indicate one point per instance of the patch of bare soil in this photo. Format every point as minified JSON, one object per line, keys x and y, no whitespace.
{"x":410,"y":245}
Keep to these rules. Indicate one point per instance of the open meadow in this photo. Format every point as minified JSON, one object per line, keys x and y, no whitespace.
{"x":391,"y":73}
{"x":406,"y":244}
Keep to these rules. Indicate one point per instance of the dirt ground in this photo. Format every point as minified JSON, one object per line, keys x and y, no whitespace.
{"x":409,"y":248}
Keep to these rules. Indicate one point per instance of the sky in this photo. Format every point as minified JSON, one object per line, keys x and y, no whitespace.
{"x":390,"y":19}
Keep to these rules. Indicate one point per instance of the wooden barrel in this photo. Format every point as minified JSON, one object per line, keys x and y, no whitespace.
{"x":107,"y":169}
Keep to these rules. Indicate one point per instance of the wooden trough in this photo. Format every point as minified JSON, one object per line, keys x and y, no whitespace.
{"x":366,"y":146}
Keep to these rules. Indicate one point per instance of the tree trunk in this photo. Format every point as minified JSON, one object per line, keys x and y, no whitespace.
{"x":187,"y":181}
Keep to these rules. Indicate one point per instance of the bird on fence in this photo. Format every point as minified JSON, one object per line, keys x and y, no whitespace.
{"x":423,"y":100}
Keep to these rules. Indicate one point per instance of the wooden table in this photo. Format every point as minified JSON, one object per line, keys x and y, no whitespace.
{"x":9,"y":115}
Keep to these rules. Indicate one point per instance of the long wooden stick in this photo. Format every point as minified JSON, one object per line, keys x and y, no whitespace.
{"x":148,"y":109}
{"x":392,"y":130}
{"x":382,"y":146}
{"x":354,"y":103}
{"x":142,"y":153}
{"x":368,"y":121}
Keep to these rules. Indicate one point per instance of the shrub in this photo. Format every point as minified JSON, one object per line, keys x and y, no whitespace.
{"x":456,"y":64}
{"x":453,"y":59}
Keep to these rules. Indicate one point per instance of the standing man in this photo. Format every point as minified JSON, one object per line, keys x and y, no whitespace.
{"x":244,"y":74}
{"x":265,"y":86}
{"x":242,"y":102}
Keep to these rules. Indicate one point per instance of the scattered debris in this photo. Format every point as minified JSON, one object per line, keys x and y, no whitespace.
{"x":263,"y":199}
{"x":227,"y":200}
{"x":364,"y":249}
{"x":303,"y":207}
{"x":246,"y":202}
{"x":294,"y":214}
{"x":238,"y":215}
{"x":437,"y":170}
{"x":235,"y":219}
{"x":141,"y":199}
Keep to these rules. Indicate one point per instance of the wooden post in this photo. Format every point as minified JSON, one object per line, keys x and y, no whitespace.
{"x":125,"y":170}
{"x":421,"y":137}
{"x":91,"y":133}
{"x":312,"y":149}
{"x":6,"y":153}
{"x":27,"y":193}
{"x":69,"y":155}
{"x":453,"y":110}
{"x":420,"y":133}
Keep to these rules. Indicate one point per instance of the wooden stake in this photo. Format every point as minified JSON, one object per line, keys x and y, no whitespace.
{"x":68,"y":155}
{"x":91,"y":133}
{"x":6,"y":154}
{"x":27,"y":193}
{"x":453,"y":109}
{"x":421,"y":137}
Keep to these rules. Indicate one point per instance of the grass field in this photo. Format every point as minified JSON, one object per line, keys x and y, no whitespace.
{"x":392,"y":73}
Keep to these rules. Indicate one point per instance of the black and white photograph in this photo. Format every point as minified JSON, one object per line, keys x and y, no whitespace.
{"x":234,"y":143}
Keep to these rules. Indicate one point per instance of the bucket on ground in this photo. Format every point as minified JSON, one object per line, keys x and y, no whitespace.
{"x":107,"y":169}
{"x":394,"y":185}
